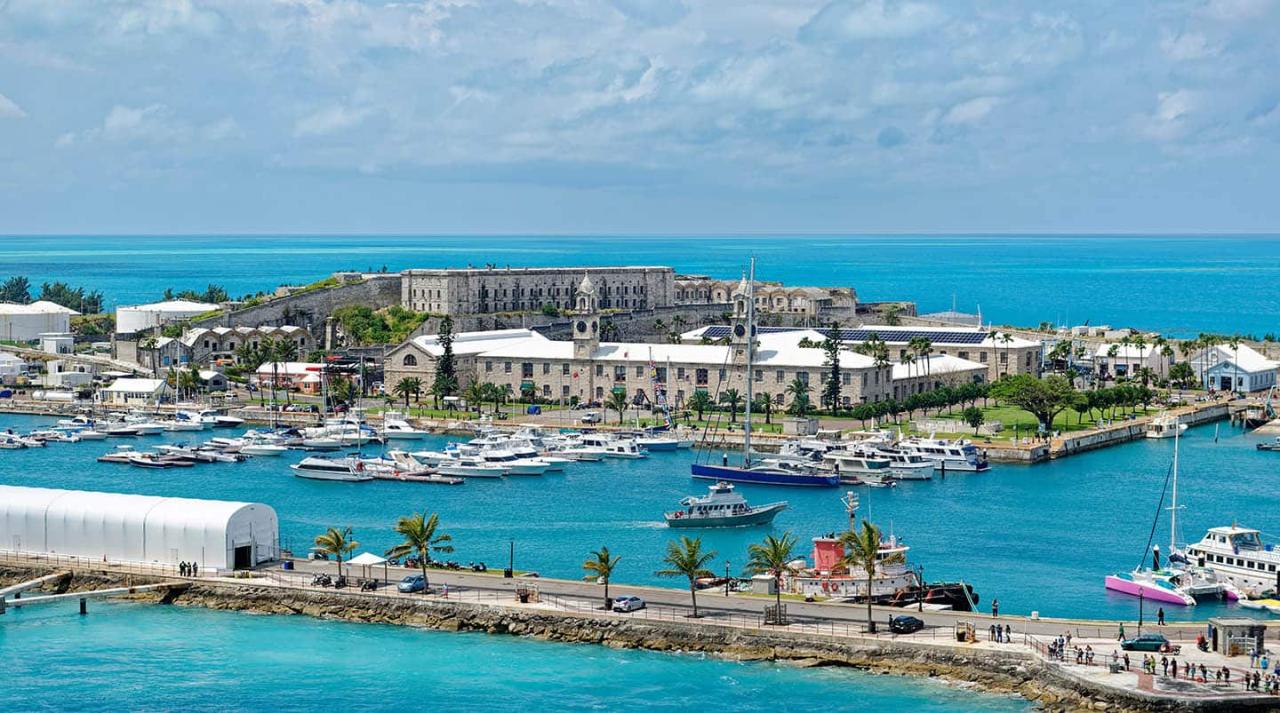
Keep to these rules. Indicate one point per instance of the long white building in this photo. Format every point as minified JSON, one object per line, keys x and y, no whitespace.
{"x":25,"y":323}
{"x":137,"y":318}
{"x":215,"y":534}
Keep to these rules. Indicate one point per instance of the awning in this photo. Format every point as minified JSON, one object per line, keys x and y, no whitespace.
{"x":366,"y":558}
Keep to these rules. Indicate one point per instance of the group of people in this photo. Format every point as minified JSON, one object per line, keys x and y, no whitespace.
{"x":1059,"y":646}
{"x":188,"y":569}
{"x":1000,"y":635}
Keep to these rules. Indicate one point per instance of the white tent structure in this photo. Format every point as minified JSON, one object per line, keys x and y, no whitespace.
{"x":136,"y":318}
{"x":25,"y":323}
{"x":215,"y":534}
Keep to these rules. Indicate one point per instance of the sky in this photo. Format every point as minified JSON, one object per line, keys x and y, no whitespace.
{"x":639,"y":116}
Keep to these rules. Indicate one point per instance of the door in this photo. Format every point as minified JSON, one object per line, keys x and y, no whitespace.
{"x":243,"y":557}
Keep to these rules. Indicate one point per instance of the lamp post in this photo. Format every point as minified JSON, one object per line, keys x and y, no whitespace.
{"x":1141,"y":600}
{"x":511,"y":562}
{"x":726,"y":578}
{"x":920,"y":588}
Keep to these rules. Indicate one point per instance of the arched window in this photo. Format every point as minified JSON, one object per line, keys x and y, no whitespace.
{"x":410,"y":360}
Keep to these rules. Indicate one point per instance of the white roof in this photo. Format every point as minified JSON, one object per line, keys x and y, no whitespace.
{"x":901,"y":335}
{"x":366,"y":558}
{"x":937,"y":364}
{"x":1125,"y":351}
{"x":1246,"y":358}
{"x":37,"y":307}
{"x":469,"y":343}
{"x":134,"y":386}
{"x":174,"y":306}
{"x":289,"y":368}
{"x":8,"y":358}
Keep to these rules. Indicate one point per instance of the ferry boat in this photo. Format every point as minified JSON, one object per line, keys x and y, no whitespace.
{"x":947,"y":455}
{"x":1238,"y":555}
{"x":722,"y":507}
{"x":344,"y":469}
{"x":1165,"y":426}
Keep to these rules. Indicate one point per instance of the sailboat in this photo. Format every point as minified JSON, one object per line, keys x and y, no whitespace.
{"x":1178,"y":581}
{"x":767,"y":471}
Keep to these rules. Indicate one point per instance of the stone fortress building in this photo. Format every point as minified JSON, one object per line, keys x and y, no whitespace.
{"x":530,"y":289}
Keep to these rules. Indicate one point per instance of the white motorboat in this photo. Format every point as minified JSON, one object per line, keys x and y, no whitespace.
{"x":624,"y":449}
{"x":157,"y":461}
{"x":227,"y":421}
{"x":903,"y":465}
{"x":467,"y":468}
{"x":263,"y":449}
{"x":11,"y":442}
{"x":89,"y":434}
{"x":858,"y":466}
{"x":322,"y":443}
{"x":721,"y":507}
{"x":513,"y":464}
{"x":341,"y":469}
{"x":958,"y":455}
{"x":178,"y":425}
{"x":657,"y":443}
{"x":1165,"y":425}
{"x":1240,"y":557}
{"x":396,"y":428}
{"x":119,"y":455}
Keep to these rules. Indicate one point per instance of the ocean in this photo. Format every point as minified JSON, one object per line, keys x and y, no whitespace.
{"x":1176,"y":285}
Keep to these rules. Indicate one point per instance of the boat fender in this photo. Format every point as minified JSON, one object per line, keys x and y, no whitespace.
{"x":359,"y":466}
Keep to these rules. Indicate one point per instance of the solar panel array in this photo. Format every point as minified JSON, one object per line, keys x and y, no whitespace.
{"x":865,"y":335}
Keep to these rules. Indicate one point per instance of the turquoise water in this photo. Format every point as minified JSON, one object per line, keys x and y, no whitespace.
{"x":1039,"y":538}
{"x":1178,"y":285}
{"x":140,"y":657}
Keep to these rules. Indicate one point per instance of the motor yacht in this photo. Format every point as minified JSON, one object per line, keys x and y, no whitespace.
{"x":341,"y":469}
{"x":157,"y":460}
{"x":858,"y":466}
{"x":903,"y":465}
{"x":722,"y":507}
{"x":1165,"y":425}
{"x":396,"y":428}
{"x":958,"y":455}
{"x":1239,"y":556}
{"x":513,"y":464}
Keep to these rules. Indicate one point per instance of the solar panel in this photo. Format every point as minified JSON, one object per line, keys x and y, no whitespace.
{"x":865,"y":335}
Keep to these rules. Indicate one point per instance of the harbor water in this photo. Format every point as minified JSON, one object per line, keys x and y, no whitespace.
{"x":1039,"y":538}
{"x":1012,"y":279}
{"x":142,"y":657}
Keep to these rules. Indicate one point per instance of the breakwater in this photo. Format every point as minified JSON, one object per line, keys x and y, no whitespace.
{"x":1014,"y":670}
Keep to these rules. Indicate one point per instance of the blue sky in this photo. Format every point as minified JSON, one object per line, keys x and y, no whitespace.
{"x":621,"y":116}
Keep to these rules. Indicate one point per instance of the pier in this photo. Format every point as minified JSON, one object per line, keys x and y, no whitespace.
{"x":728,"y":626}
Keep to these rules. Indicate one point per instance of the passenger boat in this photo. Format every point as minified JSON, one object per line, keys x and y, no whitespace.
{"x":958,"y":455}
{"x":1180,"y":581}
{"x":1165,"y":426}
{"x":1239,"y":556}
{"x":343,"y":469}
{"x":722,"y":507}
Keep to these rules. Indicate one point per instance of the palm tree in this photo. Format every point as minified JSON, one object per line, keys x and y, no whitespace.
{"x":407,"y":386}
{"x":798,"y":390}
{"x":734,"y":399}
{"x":688,"y":560}
{"x":773,"y":556}
{"x":700,"y":401}
{"x":419,"y":533}
{"x":337,"y":543}
{"x":1006,"y":339}
{"x":862,"y":550}
{"x":764,"y":404}
{"x":475,"y":394}
{"x":600,"y":567}
{"x":618,"y":402}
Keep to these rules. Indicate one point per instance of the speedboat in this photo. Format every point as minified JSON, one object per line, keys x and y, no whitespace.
{"x":398,"y":429}
{"x":227,"y":421}
{"x":513,"y":465}
{"x":263,"y":449}
{"x":119,"y":455}
{"x":343,"y":469}
{"x":181,"y":425}
{"x":155,"y":460}
{"x":722,"y":507}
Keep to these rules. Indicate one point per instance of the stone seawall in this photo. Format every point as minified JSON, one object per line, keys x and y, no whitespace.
{"x":310,"y":309}
{"x":1134,"y":431}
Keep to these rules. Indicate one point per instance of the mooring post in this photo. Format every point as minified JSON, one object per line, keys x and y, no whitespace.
{"x":84,"y":606}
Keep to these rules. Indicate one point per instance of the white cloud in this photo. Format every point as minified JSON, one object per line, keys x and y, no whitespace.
{"x":329,"y":120}
{"x":1186,"y":46}
{"x":972,"y":111}
{"x":162,"y":17}
{"x":1172,"y":118}
{"x":151,"y":124}
{"x":10,"y":109}
{"x":876,"y":19}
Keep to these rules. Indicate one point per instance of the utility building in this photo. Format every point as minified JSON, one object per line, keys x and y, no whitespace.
{"x":215,"y":534}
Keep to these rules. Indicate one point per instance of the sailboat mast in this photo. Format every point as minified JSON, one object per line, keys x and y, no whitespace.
{"x":751,"y":348}
{"x":1173,"y":510}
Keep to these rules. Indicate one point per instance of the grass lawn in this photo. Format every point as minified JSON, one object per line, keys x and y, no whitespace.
{"x":1013,"y":417}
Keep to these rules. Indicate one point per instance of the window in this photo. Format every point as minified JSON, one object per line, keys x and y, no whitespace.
{"x":546,"y":367}
{"x":779,"y":377}
{"x":409,"y":360}
{"x":846,"y":378}
{"x":619,"y":373}
{"x":700,"y":377}
{"x":864,"y":379}
{"x":546,"y":390}
{"x":639,"y":371}
{"x":1004,"y":357}
{"x":759,"y":375}
{"x":962,"y":355}
{"x":599,"y":392}
{"x":680,"y":373}
{"x":661,"y":374}
{"x":506,"y":367}
{"x":564,"y":369}
{"x":564,"y":391}
{"x":803,"y":376}
{"x":526,"y":370}
{"x":599,"y":369}
{"x":488,"y":366}
{"x":982,"y":357}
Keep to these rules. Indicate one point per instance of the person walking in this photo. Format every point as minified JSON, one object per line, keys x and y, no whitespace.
{"x":1008,"y":633}
{"x":1121,"y":636}
{"x":195,"y":570}
{"x":1160,"y":617}
{"x":1126,"y":661}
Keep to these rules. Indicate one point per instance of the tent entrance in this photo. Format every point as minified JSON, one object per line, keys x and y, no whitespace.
{"x":243,"y":557}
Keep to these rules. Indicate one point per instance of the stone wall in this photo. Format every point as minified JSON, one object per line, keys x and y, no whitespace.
{"x":311,"y":309}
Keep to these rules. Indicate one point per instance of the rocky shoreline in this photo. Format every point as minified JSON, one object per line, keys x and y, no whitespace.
{"x":1010,"y":673}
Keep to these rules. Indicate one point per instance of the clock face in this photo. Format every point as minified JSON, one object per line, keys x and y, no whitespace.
{"x":739,"y":330}
{"x":582,"y":326}
{"x":594,"y":326}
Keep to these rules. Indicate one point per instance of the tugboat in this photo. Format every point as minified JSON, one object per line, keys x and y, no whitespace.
{"x":721,"y":507}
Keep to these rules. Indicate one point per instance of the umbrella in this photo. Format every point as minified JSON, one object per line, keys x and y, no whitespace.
{"x":367,"y":559}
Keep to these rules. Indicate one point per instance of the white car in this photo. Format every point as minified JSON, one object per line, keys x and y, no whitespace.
{"x":628,"y":604}
{"x":590,"y":417}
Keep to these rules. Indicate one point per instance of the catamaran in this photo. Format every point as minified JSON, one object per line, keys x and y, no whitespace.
{"x":1179,"y":581}
{"x":764,"y":472}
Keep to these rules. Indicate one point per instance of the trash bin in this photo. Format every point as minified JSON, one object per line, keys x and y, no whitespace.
{"x":287,"y":564}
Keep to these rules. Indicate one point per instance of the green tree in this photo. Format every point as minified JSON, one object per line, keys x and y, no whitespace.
{"x":686,"y":558}
{"x":763,"y":404}
{"x":618,"y":401}
{"x":406,"y":387}
{"x":1182,"y":374}
{"x":862,"y":551}
{"x":76,"y":298}
{"x":974,"y":417}
{"x":420,"y":537}
{"x":798,"y":390}
{"x":16,"y":289}
{"x":475,"y":395}
{"x":832,"y":346}
{"x":1043,"y":398}
{"x":445,"y":382}
{"x":337,"y":543}
{"x":599,"y":567}
{"x":342,"y":390}
{"x":699,"y":402}
{"x":773,"y":556}
{"x":734,"y":399}
{"x":892,"y":315}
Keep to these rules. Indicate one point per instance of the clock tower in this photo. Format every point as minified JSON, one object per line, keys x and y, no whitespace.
{"x":586,"y":321}
{"x":740,"y":323}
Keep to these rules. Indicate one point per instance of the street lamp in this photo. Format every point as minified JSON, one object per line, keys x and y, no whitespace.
{"x":1141,"y":600}
{"x":726,"y":578}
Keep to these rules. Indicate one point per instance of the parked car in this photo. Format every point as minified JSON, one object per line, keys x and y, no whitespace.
{"x":905,"y":624}
{"x":590,"y":417}
{"x":628,"y":603}
{"x":1145,"y":642}
{"x":412,"y":583}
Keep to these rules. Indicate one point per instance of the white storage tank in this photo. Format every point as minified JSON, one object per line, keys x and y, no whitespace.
{"x":216,"y":534}
{"x":137,"y":318}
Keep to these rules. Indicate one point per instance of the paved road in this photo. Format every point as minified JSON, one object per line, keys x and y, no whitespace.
{"x":714,"y":603}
